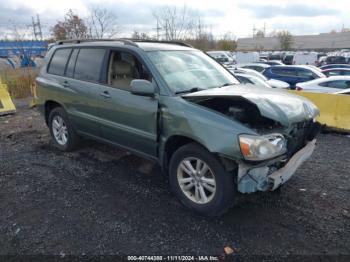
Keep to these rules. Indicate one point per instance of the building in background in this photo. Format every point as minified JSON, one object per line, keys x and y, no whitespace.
{"x":325,"y":41}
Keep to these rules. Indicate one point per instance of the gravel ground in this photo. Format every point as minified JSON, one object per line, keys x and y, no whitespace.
{"x":101,"y":200}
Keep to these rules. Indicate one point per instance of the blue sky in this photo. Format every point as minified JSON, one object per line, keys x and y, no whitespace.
{"x":238,"y":16}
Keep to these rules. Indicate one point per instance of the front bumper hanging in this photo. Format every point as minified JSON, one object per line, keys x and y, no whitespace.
{"x":263,"y":178}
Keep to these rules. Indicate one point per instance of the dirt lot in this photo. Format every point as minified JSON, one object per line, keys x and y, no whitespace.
{"x":101,"y":200}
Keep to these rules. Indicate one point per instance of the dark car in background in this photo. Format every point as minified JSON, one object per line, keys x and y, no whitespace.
{"x":334,"y":66}
{"x":335,"y":60}
{"x":288,"y":59}
{"x":336,"y":72}
{"x":292,"y":74}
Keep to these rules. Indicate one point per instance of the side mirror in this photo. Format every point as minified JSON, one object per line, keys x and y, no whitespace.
{"x":142,"y":87}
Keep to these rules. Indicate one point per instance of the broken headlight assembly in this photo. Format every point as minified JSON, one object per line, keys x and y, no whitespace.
{"x":257,"y":148}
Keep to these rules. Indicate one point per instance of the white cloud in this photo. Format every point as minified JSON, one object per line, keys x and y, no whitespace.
{"x":223,"y":15}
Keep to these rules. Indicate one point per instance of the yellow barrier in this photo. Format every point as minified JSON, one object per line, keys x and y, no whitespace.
{"x":334,"y":108}
{"x":6,"y":104}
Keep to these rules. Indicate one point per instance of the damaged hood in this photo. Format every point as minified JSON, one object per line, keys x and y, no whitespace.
{"x":277,"y":105}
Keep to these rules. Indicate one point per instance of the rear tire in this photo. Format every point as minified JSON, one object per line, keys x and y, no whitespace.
{"x":63,"y":134}
{"x":214,"y":185}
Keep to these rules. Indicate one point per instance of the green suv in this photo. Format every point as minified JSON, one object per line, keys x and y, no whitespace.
{"x":167,"y":101}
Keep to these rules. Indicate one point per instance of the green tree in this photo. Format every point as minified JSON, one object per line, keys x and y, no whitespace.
{"x":72,"y":27}
{"x":286,"y":40}
{"x":226,"y":44}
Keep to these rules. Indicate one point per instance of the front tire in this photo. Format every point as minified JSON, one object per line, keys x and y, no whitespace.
{"x":200,"y":181}
{"x":62,"y":132}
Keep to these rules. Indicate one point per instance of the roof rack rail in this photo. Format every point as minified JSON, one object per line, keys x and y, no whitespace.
{"x":160,"y":41}
{"x":126,"y":41}
{"x":78,"y":41}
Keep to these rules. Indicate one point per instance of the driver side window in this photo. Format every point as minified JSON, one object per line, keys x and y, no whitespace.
{"x":123,"y":68}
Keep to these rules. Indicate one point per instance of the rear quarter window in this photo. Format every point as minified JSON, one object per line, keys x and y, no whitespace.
{"x":58,"y":61}
{"x":89,"y":64}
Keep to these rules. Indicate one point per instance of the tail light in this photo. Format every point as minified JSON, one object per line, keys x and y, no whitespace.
{"x":298,"y":88}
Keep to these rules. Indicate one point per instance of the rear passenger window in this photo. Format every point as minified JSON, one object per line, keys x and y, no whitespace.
{"x":59,"y":61}
{"x":89,"y":64}
{"x":71,"y":63}
{"x":340,"y":84}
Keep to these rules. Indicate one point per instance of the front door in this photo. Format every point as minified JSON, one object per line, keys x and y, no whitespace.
{"x":127,"y":119}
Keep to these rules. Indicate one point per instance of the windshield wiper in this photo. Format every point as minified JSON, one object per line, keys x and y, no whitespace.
{"x":193,"y":89}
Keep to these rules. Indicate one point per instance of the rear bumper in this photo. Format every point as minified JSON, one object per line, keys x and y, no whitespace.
{"x":267,"y":177}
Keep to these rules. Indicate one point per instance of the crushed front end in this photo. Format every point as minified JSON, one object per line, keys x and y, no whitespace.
{"x":300,"y":141}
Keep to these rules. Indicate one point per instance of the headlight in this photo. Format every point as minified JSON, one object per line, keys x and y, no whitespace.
{"x":257,"y":148}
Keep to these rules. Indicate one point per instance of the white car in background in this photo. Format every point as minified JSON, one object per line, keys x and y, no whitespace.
{"x":249,"y":79}
{"x":259,"y":67}
{"x":305,"y":58}
{"x":325,"y":85}
{"x":250,"y":72}
{"x":343,"y":92}
{"x":223,"y":57}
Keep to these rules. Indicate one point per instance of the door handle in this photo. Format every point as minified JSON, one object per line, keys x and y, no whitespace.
{"x":65,"y":84}
{"x":105,"y":94}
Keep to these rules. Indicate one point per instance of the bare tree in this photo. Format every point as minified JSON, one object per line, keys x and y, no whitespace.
{"x":175,"y":23}
{"x":72,"y":27}
{"x":138,"y":35}
{"x":102,"y":23}
{"x":199,"y":36}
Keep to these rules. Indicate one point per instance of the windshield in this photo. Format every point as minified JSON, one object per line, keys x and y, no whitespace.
{"x":186,"y":70}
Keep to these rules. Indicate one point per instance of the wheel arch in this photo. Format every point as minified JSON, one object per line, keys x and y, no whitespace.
{"x":174,"y":142}
{"x":49,"y":106}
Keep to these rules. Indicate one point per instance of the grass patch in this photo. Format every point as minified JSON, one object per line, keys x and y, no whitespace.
{"x":19,"y":81}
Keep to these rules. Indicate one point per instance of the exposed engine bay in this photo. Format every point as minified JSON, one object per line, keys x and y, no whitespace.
{"x":241,"y":110}
{"x":247,"y":113}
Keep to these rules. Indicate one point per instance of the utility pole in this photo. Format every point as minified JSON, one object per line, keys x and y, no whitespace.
{"x":37,"y":28}
{"x":158,"y":28}
{"x":254,"y":29}
{"x":166,"y":31}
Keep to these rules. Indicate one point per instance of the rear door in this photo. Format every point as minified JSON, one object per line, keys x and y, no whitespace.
{"x":126,"y":119}
{"x":82,"y":82}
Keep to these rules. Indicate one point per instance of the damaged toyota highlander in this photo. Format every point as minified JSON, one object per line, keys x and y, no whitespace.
{"x":212,"y":136}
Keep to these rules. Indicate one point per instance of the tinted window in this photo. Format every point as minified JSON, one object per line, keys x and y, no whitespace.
{"x":283,"y":71}
{"x":336,"y":60}
{"x":59,"y":61}
{"x":305,"y":73}
{"x":89,"y":64}
{"x":71,"y":63}
{"x":340,"y":84}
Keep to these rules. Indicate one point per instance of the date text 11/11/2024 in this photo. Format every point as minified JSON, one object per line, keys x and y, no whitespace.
{"x":173,"y":258}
